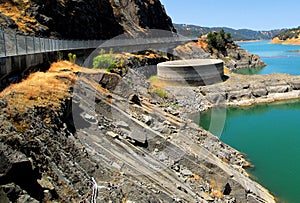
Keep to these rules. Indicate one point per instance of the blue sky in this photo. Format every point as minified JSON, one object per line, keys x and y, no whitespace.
{"x":252,"y":14}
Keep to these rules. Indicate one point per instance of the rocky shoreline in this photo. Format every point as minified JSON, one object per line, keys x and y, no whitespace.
{"x":239,"y":90}
{"x":123,"y":143}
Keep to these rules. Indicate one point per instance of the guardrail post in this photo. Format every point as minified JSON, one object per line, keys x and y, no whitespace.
{"x":16,"y":41}
{"x":4,"y":41}
{"x":40,"y":44}
{"x":33,"y":43}
{"x":26,"y":45}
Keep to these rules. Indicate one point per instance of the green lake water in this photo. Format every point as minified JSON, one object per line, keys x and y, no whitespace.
{"x":268,"y":134}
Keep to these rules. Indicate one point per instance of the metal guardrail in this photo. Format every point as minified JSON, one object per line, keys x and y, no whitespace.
{"x":13,"y":44}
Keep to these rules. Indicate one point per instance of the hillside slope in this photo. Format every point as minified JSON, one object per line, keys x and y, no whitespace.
{"x":56,"y":139}
{"x":240,"y":34}
{"x":84,"y":19}
{"x":291,"y":36}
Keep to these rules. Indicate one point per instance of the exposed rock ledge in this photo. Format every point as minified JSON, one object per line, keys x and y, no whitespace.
{"x":240,"y":90}
{"x":144,"y":134}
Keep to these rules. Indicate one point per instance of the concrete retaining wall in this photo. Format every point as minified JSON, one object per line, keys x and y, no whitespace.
{"x":14,"y":68}
{"x":12,"y":64}
{"x":192,"y":72}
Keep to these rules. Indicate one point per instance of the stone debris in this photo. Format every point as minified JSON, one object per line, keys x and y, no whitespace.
{"x":45,"y":183}
{"x":112,"y":134}
{"x":187,"y":172}
{"x":122,"y":124}
{"x":206,"y":196}
{"x":138,"y":136}
{"x":90,"y":118}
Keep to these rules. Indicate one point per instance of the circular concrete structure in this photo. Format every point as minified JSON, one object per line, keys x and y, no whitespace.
{"x":193,"y":72}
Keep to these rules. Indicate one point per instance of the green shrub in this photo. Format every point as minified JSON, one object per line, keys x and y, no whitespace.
{"x":218,"y":40}
{"x":153,"y":79}
{"x":161,"y":93}
{"x":110,"y":62}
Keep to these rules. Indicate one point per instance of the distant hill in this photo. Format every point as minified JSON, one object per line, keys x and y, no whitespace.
{"x":290,"y":36}
{"x":241,"y":34}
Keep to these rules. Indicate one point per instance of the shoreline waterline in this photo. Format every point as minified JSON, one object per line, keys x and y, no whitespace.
{"x":266,"y":130}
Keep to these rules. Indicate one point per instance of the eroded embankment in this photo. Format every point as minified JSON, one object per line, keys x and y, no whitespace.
{"x":70,"y":124}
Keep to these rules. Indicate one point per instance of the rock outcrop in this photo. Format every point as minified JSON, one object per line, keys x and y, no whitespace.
{"x":84,"y":19}
{"x":102,"y":147}
{"x":241,"y":90}
{"x":235,"y":57}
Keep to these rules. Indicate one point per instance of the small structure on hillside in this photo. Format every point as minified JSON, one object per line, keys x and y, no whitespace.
{"x":192,"y":72}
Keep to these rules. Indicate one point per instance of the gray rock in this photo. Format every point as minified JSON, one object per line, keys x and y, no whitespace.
{"x":159,"y":127}
{"x":206,"y":196}
{"x":172,"y":111}
{"x":278,"y":89}
{"x":187,"y":172}
{"x":237,"y":95}
{"x":216,"y":98}
{"x":26,"y":199}
{"x":11,"y":160}
{"x":259,"y":92}
{"x":3,"y":104}
{"x":253,"y":199}
{"x":90,"y":118}
{"x":162,"y":156}
{"x":147,"y":119}
{"x":138,"y":136}
{"x":112,"y":134}
{"x":295,"y":84}
{"x":122,"y":124}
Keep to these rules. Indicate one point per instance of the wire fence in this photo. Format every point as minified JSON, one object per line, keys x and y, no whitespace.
{"x":12,"y":43}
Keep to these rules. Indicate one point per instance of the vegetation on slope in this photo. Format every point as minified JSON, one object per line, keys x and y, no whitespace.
{"x":218,"y":40}
{"x":291,"y":36}
{"x":288,"y":34}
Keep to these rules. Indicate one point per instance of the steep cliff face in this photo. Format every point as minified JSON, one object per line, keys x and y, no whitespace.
{"x":141,"y":14}
{"x":84,"y":19}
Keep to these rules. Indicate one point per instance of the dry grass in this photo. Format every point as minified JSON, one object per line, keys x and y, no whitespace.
{"x":292,"y":41}
{"x":157,"y":87}
{"x":217,"y":194}
{"x":216,"y":189}
{"x":16,"y":11}
{"x":226,"y":71}
{"x":42,"y":89}
{"x":156,"y":83}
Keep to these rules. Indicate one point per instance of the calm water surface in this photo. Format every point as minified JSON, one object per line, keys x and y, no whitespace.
{"x":279,"y":58}
{"x":269,"y":135}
